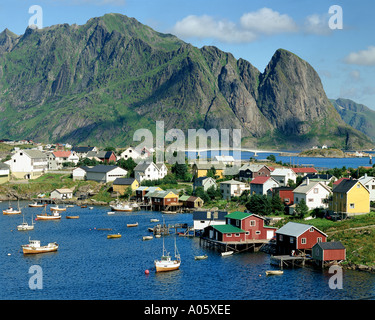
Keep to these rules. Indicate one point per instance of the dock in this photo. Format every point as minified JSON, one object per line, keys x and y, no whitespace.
{"x":183,"y":229}
{"x":288,"y":261}
{"x":242,"y":246}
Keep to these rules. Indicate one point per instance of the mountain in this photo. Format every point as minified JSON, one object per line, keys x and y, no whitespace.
{"x":99,"y":82}
{"x":356,"y":115}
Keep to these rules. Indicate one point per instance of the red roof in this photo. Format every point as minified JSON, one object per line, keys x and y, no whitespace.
{"x":339,"y":181}
{"x":62,"y":154}
{"x":304,"y":170}
{"x":259,"y":180}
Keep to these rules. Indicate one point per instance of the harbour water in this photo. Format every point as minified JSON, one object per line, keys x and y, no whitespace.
{"x":88,"y":266}
{"x":317,"y":162}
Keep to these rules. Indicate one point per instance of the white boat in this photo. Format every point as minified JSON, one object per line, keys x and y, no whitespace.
{"x":166,"y":263}
{"x":154,"y":220}
{"x":147,"y":238}
{"x":57,"y":208}
{"x":227,"y":253}
{"x":34,"y":247}
{"x":36,"y":205}
{"x":274,"y":272}
{"x":132,"y":225}
{"x":123,"y":207}
{"x":24,"y":226}
{"x":110,"y":212}
{"x":55,"y":215}
{"x":11,"y":210}
{"x":201,"y":257}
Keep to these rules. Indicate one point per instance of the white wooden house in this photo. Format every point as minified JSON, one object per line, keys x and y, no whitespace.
{"x":28,"y":164}
{"x":315,"y":194}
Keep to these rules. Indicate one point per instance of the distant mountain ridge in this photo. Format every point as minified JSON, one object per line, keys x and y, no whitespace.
{"x":99,"y":82}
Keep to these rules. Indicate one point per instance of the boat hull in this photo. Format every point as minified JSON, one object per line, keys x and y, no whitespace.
{"x":57,"y":209}
{"x":6,"y":212}
{"x":123,"y":210}
{"x":274,"y":272}
{"x":132,"y":225}
{"x":164,"y":267}
{"x":72,"y":217}
{"x":25,"y":228}
{"x":48,"y":217}
{"x":113,"y":236}
{"x":51,"y":247}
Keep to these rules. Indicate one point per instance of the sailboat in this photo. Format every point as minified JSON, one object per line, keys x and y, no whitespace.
{"x":25,"y":226}
{"x":166,"y":263}
{"x":44,"y":216}
{"x":10,"y":209}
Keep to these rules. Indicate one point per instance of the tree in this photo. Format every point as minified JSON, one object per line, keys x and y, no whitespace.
{"x":128,"y":192}
{"x":301,"y":209}
{"x":128,"y":164}
{"x":259,"y":204}
{"x":181,"y":171}
{"x":271,"y":157}
{"x":277,"y":205}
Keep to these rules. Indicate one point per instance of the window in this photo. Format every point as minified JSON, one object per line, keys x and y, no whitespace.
{"x":319,"y":239}
{"x":252,"y":223}
{"x":311,"y":200}
{"x":316,"y":190}
{"x":303,"y":240}
{"x":257,"y":232}
{"x":237,"y":235}
{"x":311,"y":229}
{"x":229,"y":235}
{"x":247,"y":233}
{"x":352,"y":205}
{"x":237,"y":223}
{"x":280,"y":237}
{"x":358,"y":186}
{"x":291,"y":240}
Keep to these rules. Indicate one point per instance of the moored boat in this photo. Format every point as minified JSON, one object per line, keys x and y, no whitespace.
{"x":55,"y":215}
{"x":147,"y":238}
{"x":24,"y":226}
{"x":132,"y":224}
{"x":274,"y":272}
{"x":112,"y":236}
{"x":57,"y":208}
{"x":201,"y":257}
{"x":122,"y":207}
{"x":166,"y":263}
{"x":72,"y":217}
{"x":11,"y":210}
{"x":36,"y":205}
{"x":227,"y":253}
{"x":34,"y":247}
{"x":154,"y":220}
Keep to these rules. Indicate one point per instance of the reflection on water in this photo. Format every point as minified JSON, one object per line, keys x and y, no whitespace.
{"x":90,"y":266}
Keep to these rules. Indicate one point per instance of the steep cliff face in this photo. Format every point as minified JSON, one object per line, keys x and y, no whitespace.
{"x":99,"y":82}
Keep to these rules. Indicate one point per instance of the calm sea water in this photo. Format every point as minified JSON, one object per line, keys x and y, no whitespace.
{"x":316,"y":162}
{"x":90,"y":266}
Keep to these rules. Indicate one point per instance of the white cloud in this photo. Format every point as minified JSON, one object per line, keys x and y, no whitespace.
{"x":362,"y":57}
{"x":251,"y":25}
{"x":267,"y":21}
{"x":317,"y":24}
{"x":207,"y":27}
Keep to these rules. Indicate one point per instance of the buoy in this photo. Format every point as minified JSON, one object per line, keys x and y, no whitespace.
{"x":147,"y":272}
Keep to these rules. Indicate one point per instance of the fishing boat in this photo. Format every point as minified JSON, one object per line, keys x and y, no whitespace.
{"x":166,"y":263}
{"x":24,"y":226}
{"x":201,"y":257}
{"x":57,"y":208}
{"x":11,"y":210}
{"x":112,"y":236}
{"x":123,"y":207}
{"x":274,"y":272}
{"x":72,"y":217}
{"x":55,"y":215}
{"x":154,"y":220}
{"x":34,"y":247}
{"x":36,"y":205}
{"x":227,"y":253}
{"x":132,"y":225}
{"x":147,"y":238}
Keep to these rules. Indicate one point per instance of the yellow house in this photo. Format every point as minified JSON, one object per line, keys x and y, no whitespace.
{"x":201,"y":169}
{"x":121,"y":184}
{"x":350,"y":197}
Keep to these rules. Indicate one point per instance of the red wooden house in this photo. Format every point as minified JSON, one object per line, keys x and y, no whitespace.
{"x":297,"y":236}
{"x":285,"y":193}
{"x":329,"y":251}
{"x":241,"y":227}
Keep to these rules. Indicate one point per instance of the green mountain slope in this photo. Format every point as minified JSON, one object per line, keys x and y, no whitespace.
{"x":99,"y":82}
{"x":356,"y":115}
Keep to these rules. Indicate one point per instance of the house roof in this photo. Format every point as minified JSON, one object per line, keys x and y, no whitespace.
{"x":339,"y":181}
{"x":346,"y":185}
{"x":305,"y":188}
{"x":183,"y":198}
{"x":305,"y":170}
{"x":35,"y":154}
{"x":102,"y":168}
{"x":62,"y":154}
{"x":142,"y":166}
{"x":295,"y":229}
{"x":203,"y":215}
{"x":64,"y":190}
{"x":252,"y":167}
{"x":238,"y":215}
{"x":123,"y":181}
{"x":228,"y":228}
{"x":259,"y":180}
{"x":332,"y":245}
{"x":281,"y":171}
{"x":208,"y":166}
{"x":82,"y":149}
{"x":231,"y":182}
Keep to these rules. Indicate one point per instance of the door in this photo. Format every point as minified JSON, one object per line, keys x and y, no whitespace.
{"x":269,"y":234}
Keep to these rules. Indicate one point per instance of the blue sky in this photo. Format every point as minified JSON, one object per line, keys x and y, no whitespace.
{"x":249,"y":29}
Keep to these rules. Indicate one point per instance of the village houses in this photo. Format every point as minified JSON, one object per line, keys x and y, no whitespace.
{"x":315,"y":194}
{"x":150,"y":171}
{"x":232,"y":188}
{"x":28,"y":164}
{"x":283,"y":175}
{"x":262,"y":185}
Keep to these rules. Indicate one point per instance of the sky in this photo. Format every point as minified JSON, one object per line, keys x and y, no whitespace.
{"x":335,"y":37}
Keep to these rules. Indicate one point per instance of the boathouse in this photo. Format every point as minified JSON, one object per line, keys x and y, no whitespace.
{"x":294,"y":237}
{"x":328,"y":251}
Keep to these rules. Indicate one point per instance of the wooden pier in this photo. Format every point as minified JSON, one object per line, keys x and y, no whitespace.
{"x":164,"y":229}
{"x":289,"y":261}
{"x":242,"y":246}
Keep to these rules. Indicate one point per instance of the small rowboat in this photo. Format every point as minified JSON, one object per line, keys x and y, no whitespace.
{"x":227,"y":253}
{"x":132,"y":224}
{"x":154,"y":220}
{"x":274,"y":272}
{"x":201,"y":257}
{"x":72,"y":217}
{"x":147,"y":238}
{"x":112,"y":236}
